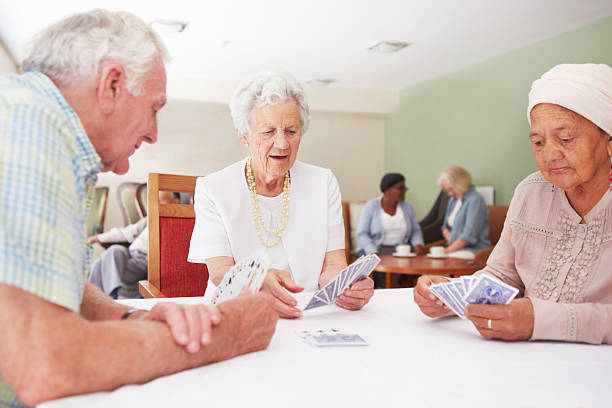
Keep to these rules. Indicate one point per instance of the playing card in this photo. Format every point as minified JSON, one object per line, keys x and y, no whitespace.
{"x":358,"y":270}
{"x":246,"y":274}
{"x":331,"y":337}
{"x":447,"y":299}
{"x":489,"y":290}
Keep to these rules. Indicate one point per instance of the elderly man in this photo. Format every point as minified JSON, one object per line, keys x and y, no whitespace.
{"x":89,"y":98}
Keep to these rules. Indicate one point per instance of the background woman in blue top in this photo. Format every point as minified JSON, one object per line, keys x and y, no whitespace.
{"x":388,"y":221}
{"x":466,"y":224}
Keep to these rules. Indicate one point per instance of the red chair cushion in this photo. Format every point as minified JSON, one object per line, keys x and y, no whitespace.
{"x":177,"y":276}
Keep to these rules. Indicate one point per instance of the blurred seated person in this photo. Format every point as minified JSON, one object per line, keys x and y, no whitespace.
{"x":556,"y":245}
{"x":274,"y":203}
{"x":388,"y":221}
{"x":119,"y":265}
{"x":466,"y":224}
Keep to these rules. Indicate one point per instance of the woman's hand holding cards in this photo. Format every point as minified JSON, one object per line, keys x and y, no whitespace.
{"x":513,"y":321}
{"x":357,"y":296}
{"x":277,"y":283}
{"x":429,"y":304}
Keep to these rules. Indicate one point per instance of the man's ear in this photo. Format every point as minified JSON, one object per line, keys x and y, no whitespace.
{"x":111,"y":87}
{"x":609,"y":145}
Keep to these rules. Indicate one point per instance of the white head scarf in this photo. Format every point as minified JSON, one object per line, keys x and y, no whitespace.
{"x":583,"y":88}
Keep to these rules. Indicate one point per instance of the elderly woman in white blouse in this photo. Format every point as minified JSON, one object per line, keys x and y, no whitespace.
{"x":270,"y":201}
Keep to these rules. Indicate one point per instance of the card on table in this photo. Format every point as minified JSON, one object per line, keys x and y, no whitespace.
{"x":246,"y":274}
{"x":331,"y":337}
{"x":358,"y":270}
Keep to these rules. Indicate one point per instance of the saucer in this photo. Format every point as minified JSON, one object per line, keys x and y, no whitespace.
{"x":410,"y":255}
{"x":436,"y":257}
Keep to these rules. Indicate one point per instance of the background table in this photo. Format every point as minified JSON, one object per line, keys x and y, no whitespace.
{"x":424,"y":265}
{"x":411,"y":361}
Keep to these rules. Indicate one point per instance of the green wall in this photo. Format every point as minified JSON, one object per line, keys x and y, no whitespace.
{"x":475,"y":117}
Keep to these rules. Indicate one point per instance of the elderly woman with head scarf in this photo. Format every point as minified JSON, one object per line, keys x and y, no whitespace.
{"x":466,"y":223}
{"x":271,"y":202}
{"x":556,"y":245}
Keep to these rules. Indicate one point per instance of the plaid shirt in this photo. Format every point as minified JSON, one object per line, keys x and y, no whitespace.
{"x":48,"y":169}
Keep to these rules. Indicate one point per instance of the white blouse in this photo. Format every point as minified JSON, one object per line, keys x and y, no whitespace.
{"x":224,"y":223}
{"x":394,"y":226}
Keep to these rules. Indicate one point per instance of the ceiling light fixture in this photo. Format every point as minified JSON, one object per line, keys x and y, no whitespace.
{"x":388,"y":46}
{"x":320,"y":81}
{"x":169,"y":26}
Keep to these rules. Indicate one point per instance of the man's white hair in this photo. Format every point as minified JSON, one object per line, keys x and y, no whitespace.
{"x":267,"y":88}
{"x":75,"y":46}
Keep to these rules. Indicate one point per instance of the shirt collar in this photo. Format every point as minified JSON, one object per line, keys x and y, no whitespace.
{"x":91,"y":164}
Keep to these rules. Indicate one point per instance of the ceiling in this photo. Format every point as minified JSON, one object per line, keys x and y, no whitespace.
{"x":327,"y":39}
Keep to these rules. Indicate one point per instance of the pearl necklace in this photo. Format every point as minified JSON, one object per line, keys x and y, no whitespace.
{"x":258,"y":219}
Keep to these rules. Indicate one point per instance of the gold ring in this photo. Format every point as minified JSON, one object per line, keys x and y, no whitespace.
{"x":362,"y":302}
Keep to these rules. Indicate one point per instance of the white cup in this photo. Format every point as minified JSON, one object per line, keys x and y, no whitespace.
{"x":403,"y":249}
{"x":437,"y":251}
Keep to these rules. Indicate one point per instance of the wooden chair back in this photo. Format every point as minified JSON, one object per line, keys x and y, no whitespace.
{"x":95,"y":221}
{"x":141,"y":199}
{"x":170,"y":228}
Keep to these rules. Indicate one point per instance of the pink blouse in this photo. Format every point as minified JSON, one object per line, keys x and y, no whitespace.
{"x":564,"y":267}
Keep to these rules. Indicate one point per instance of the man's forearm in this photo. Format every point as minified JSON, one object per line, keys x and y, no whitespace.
{"x":69,"y":355}
{"x":96,"y":306}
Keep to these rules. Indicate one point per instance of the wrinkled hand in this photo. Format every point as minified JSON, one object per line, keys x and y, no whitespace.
{"x":277,"y":283}
{"x":429,"y":304}
{"x":419,"y":250}
{"x":93,"y":240}
{"x":357,"y":296}
{"x":252,"y":321}
{"x":190,"y":325}
{"x":513,"y":321}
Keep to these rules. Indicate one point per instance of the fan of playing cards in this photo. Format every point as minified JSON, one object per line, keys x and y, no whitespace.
{"x":458,"y":293}
{"x":358,"y":270}
{"x":248,"y":273}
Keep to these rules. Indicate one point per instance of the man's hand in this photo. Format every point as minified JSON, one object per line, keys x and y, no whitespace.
{"x":277,"y":283}
{"x":252,"y":321}
{"x":429,"y":304}
{"x":513,"y":321}
{"x":93,"y":240}
{"x":419,"y":249}
{"x":190,"y":325}
{"x":357,"y":296}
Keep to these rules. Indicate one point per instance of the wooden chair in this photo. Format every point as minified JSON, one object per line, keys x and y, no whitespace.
{"x":126,"y":198}
{"x":497,"y":217}
{"x":350,"y":213}
{"x":141,"y":199}
{"x":95,"y":221}
{"x":170,"y":228}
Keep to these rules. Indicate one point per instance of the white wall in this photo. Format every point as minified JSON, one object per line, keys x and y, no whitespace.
{"x":197,"y":138}
{"x":7,"y":64}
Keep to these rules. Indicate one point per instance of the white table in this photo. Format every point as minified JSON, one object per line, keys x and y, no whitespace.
{"x":411,"y":361}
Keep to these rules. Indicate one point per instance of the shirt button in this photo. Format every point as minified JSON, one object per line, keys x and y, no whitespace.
{"x":555,"y":293}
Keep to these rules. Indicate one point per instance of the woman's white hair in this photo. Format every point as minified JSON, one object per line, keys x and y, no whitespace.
{"x":457,"y":177}
{"x":267,"y":88}
{"x":75,"y":46}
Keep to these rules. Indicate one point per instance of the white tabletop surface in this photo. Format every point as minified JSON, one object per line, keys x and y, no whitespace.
{"x":411,"y":361}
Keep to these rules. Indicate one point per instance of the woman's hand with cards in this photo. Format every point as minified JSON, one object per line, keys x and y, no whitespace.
{"x":513,"y":321}
{"x":190,"y":325}
{"x":357,"y":295}
{"x":429,"y":304}
{"x":278,"y":283}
